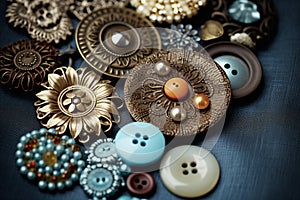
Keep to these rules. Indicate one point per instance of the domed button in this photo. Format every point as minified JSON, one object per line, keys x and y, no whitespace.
{"x":240,"y":65}
{"x":140,"y":184}
{"x":140,"y":143}
{"x":176,"y":89}
{"x":189,"y":171}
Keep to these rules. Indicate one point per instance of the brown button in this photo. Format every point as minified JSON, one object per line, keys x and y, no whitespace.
{"x":241,"y":66}
{"x":176,"y":89}
{"x":140,"y":184}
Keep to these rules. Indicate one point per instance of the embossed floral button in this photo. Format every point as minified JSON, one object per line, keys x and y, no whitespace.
{"x":140,"y":184}
{"x":140,"y":143}
{"x":189,"y":171}
{"x":241,"y":66}
{"x":176,"y":89}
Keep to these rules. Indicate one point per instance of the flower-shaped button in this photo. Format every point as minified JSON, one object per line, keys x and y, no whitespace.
{"x":26,"y":64}
{"x":140,"y":143}
{"x":53,"y":161}
{"x":189,"y":171}
{"x":101,"y":180}
{"x":77,"y":100}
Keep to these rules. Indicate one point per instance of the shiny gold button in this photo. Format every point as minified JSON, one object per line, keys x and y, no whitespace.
{"x":176,"y":89}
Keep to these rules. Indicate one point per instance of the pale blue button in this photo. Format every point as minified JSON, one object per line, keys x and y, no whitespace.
{"x":100,"y":179}
{"x":244,"y":11}
{"x":140,"y":143}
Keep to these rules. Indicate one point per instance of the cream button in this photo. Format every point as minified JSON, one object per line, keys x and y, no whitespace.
{"x":189,"y":171}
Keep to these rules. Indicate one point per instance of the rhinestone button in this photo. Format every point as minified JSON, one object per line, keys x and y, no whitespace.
{"x":189,"y":171}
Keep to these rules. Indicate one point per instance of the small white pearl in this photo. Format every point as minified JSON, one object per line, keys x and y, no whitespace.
{"x":162,"y":68}
{"x":178,"y":113}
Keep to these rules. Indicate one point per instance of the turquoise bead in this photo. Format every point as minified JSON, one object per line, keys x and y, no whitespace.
{"x":59,"y":149}
{"x":42,"y":184}
{"x":77,"y":155}
{"x":140,"y":143}
{"x":48,"y":169}
{"x":23,"y":170}
{"x":60,"y":185}
{"x":43,"y":130}
{"x":30,"y":175}
{"x":20,"y":145}
{"x":19,"y":162}
{"x":41,"y":163}
{"x":19,"y":154}
{"x":64,"y":157}
{"x":23,"y":139}
{"x":56,"y":166}
{"x":34,"y":132}
{"x":74,"y":177}
{"x":28,"y":154}
{"x":65,"y":137}
{"x":52,"y":130}
{"x":71,"y":141}
{"x":51,"y":186}
{"x":81,"y":163}
{"x":41,"y":149}
{"x":68,"y":183}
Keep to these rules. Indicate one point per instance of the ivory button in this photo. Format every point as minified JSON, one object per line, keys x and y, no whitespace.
{"x":176,"y":89}
{"x":189,"y":171}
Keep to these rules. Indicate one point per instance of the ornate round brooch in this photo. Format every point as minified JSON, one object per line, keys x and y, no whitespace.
{"x":78,"y":101}
{"x":101,"y":180}
{"x":45,"y":20}
{"x":181,"y":92}
{"x":26,"y":64}
{"x":81,"y":8}
{"x":52,"y":161}
{"x":113,"y":40}
{"x":168,"y":11}
{"x":248,"y":22}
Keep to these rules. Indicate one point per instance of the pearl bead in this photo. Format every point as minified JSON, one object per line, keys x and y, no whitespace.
{"x":65,"y":157}
{"x":23,"y":139}
{"x":71,"y":141}
{"x":68,"y":183}
{"x":23,"y":170}
{"x":77,"y":155}
{"x":162,"y":68}
{"x":176,"y":89}
{"x":201,"y":101}
{"x":65,"y":137}
{"x":20,"y":145}
{"x":60,"y":185}
{"x":51,"y":186}
{"x":30,"y":175}
{"x":18,"y":154}
{"x":42,"y":184}
{"x":48,"y":169}
{"x":74,"y":177}
{"x":52,"y":130}
{"x":20,"y":162}
{"x":43,"y":130}
{"x":178,"y":113}
{"x":81,"y":163}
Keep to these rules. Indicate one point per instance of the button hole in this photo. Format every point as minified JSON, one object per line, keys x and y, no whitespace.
{"x":144,"y":182}
{"x":137,"y":135}
{"x":194,"y":171}
{"x":135,"y":141}
{"x":234,"y":72}
{"x":145,"y":137}
{"x":193,"y":164}
{"x":184,"y":165}
{"x":139,"y":187}
{"x":136,"y":180}
{"x":143,"y":143}
{"x":103,"y":179}
{"x":185,"y":172}
{"x":97,"y":180}
{"x":227,"y":66}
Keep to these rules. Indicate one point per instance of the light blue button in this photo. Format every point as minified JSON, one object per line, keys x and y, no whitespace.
{"x":236,"y":70}
{"x":100,"y":179}
{"x":140,"y":143}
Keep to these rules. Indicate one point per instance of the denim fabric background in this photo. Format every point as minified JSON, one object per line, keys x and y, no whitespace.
{"x":258,"y":150}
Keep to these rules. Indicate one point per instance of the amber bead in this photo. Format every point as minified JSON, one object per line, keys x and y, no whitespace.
{"x":201,"y":101}
{"x":176,"y":89}
{"x":49,"y":158}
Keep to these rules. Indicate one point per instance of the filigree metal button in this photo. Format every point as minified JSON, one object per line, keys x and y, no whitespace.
{"x":79,"y":101}
{"x":113,"y":40}
{"x":81,"y":8}
{"x":251,"y":23}
{"x":174,"y":112}
{"x":53,"y":161}
{"x":26,"y":64}
{"x":45,"y":20}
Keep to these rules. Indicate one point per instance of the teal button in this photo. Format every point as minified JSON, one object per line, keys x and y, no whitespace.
{"x":140,"y":143}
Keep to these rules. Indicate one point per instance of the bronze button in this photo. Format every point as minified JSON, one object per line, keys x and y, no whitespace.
{"x":141,"y":184}
{"x":113,"y":40}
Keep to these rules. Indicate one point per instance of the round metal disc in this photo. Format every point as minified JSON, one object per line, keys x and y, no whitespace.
{"x":113,"y":40}
{"x":146,"y":100}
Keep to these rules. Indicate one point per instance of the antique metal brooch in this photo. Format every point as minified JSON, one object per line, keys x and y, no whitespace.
{"x":78,"y":101}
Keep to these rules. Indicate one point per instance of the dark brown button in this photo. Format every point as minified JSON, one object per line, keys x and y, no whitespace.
{"x":240,"y":65}
{"x":140,"y":184}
